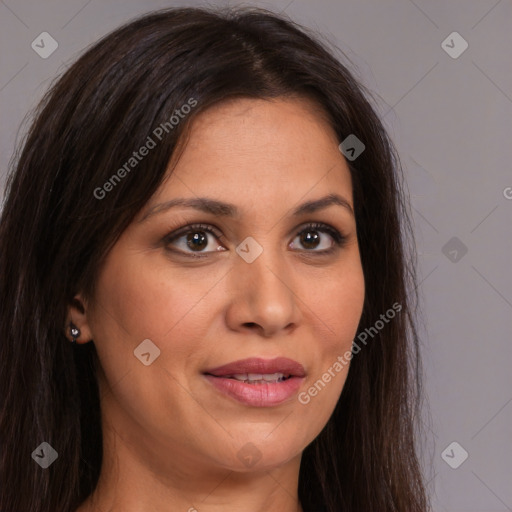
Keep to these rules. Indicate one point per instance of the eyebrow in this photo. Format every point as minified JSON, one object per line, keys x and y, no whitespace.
{"x":222,"y":209}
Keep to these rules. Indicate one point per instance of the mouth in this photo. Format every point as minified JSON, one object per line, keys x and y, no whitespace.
{"x":258,"y":382}
{"x":256,"y":378}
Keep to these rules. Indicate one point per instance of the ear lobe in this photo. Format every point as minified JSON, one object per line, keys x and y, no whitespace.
{"x":77,"y":315}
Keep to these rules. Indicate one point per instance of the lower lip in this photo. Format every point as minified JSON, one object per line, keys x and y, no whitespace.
{"x":257,"y":395}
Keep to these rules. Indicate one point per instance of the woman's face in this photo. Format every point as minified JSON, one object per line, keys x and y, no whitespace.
{"x":261,"y":284}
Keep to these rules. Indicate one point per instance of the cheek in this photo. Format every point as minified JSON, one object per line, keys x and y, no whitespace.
{"x":337,"y":310}
{"x":146,"y":300}
{"x":137,"y":301}
{"x":337,"y":305}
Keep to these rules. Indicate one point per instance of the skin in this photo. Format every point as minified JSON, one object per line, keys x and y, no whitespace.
{"x":170,"y":438}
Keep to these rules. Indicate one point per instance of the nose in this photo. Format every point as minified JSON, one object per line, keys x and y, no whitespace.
{"x":262,"y":296}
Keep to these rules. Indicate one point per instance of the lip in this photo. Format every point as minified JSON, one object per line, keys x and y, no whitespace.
{"x":258,"y":395}
{"x":258,"y":365}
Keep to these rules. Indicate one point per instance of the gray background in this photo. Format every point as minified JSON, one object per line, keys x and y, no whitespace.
{"x":451,"y":119}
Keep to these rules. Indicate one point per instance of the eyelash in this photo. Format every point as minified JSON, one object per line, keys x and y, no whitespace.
{"x":339,"y":238}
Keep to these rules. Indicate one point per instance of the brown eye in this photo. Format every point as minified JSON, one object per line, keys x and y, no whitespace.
{"x":195,"y":239}
{"x":313,"y":237}
{"x":310,"y":239}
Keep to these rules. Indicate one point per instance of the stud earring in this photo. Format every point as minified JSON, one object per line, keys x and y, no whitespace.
{"x":75,"y":332}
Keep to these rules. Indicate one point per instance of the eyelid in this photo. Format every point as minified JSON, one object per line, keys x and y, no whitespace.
{"x":338,"y":236}
{"x":191,"y":227}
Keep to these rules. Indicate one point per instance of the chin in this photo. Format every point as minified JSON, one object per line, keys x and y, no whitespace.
{"x":255,"y":453}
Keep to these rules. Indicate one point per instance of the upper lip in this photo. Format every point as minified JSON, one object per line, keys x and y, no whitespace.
{"x":260,"y":366}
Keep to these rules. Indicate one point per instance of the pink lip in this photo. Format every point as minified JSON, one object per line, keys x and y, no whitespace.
{"x":258,"y":395}
{"x":258,"y":365}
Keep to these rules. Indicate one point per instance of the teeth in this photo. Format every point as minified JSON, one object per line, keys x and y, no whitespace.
{"x":258,"y":378}
{"x":273,"y":376}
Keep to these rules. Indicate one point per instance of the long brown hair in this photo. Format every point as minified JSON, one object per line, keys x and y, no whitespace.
{"x":55,"y":232}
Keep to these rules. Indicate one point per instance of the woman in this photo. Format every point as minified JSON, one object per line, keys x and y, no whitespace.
{"x":207,"y":302}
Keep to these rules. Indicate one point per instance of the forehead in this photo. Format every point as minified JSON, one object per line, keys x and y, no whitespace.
{"x":281,"y":149}
{"x":244,"y":127}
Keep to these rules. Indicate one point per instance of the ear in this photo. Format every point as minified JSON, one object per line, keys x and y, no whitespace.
{"x":77,"y":314}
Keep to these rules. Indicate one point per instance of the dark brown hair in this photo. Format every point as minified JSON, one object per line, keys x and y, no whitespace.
{"x":54,"y":234}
